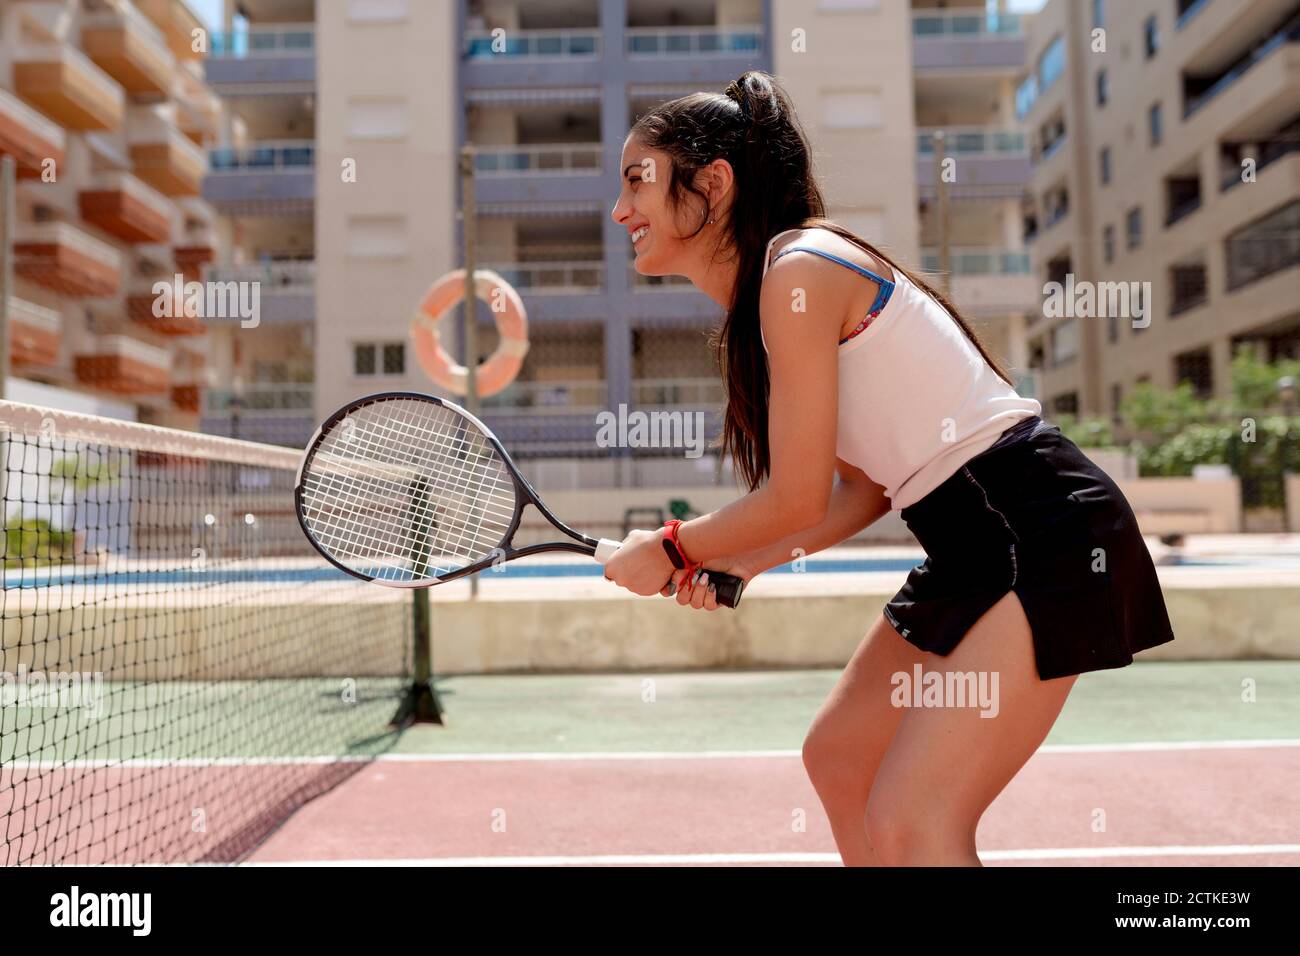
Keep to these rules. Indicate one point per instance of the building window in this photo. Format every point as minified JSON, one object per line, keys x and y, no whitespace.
{"x":1151,"y":37}
{"x":1195,"y":367}
{"x":1116,"y":397}
{"x":1133,"y":227}
{"x":1051,"y":64}
{"x":1067,"y":404}
{"x":1103,"y":88}
{"x":1064,"y":342}
{"x":1108,"y":244}
{"x":1112,"y":328}
{"x":1265,"y":246}
{"x":1105,"y":165}
{"x":379,"y":358}
{"x":1187,"y":287}
{"x":1098,"y":14}
{"x":1026,"y":93}
{"x":1155,"y":123}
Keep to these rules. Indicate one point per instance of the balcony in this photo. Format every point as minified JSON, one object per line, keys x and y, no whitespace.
{"x":554,"y":278}
{"x":744,"y":41}
{"x":61,"y":257}
{"x":987,"y":280}
{"x":286,"y":289}
{"x":279,"y":54}
{"x":34,"y":333}
{"x":548,"y":158}
{"x":28,"y":136}
{"x":947,"y":40}
{"x":161,"y":154}
{"x":710,"y":55}
{"x":1200,"y":91}
{"x":126,"y":366}
{"x":261,"y":176}
{"x":198,"y":109}
{"x":558,"y":172}
{"x":65,"y":85}
{"x":177,"y":23}
{"x":277,"y":414}
{"x":143,"y":306}
{"x":129,"y":48}
{"x":125,"y":207}
{"x":534,"y":45}
{"x":197,"y":245}
{"x":991,"y":163}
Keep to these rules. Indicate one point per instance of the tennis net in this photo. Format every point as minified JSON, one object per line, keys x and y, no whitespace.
{"x":179,"y":671}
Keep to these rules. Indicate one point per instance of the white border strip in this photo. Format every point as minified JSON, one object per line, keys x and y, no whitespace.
{"x":506,"y":757}
{"x":704,"y":859}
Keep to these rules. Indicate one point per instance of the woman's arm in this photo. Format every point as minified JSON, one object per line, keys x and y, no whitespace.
{"x":803,"y":371}
{"x":803,"y":368}
{"x":856,"y":502}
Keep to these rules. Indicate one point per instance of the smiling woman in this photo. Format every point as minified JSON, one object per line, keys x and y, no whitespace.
{"x":841,"y":362}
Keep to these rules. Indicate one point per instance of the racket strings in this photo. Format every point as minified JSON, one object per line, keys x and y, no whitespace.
{"x":405,"y":489}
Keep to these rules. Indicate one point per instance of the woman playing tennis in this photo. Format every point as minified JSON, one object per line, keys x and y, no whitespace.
{"x":840,"y":362}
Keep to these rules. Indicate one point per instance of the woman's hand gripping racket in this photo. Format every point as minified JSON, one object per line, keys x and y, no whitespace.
{"x":408,"y":490}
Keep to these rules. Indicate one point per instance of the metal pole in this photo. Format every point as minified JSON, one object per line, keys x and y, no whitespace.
{"x":470,"y":214}
{"x":8,"y":173}
{"x":943,"y":213}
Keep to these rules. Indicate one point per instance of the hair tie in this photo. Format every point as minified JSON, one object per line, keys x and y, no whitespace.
{"x":737,"y":94}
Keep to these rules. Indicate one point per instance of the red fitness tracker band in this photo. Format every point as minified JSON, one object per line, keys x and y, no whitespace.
{"x":673,"y":547}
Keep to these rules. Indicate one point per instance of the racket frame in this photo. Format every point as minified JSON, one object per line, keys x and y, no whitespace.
{"x":525,"y":495}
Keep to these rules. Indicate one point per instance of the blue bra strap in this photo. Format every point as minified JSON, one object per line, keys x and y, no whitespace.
{"x":886,"y":286}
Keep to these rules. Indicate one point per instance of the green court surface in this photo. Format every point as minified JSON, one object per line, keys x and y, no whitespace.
{"x":772,"y":710}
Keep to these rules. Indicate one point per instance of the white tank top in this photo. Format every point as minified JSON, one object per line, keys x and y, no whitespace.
{"x":917,"y":400}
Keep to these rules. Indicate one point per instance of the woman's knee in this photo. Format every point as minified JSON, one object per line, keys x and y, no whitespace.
{"x":905,"y":831}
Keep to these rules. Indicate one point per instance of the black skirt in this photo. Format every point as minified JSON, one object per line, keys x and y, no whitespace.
{"x":1033,"y":515}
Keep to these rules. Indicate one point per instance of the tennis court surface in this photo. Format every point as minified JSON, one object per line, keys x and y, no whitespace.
{"x":184,"y":683}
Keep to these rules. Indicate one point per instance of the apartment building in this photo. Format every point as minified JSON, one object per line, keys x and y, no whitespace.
{"x":1164,"y":155}
{"x":548,"y":102}
{"x":105,"y":110}
{"x":262,"y":179}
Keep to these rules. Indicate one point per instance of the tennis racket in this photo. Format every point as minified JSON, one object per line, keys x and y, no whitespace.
{"x":408,"y":490}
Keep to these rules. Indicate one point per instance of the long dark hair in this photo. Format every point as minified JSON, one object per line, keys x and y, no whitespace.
{"x":753,"y":126}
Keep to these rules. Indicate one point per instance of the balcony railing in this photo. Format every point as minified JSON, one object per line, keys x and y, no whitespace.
{"x":66,"y":234}
{"x":267,"y":156}
{"x":548,"y":158}
{"x":927,"y":25}
{"x":650,"y":392}
{"x":978,"y":261}
{"x":295,"y":276}
{"x":534,"y":44}
{"x":259,"y":398}
{"x":971,"y":141}
{"x":554,"y":277}
{"x":688,"y":41}
{"x":298,"y":39}
{"x":549,"y":397}
{"x":1288,"y":33}
{"x":1051,"y":149}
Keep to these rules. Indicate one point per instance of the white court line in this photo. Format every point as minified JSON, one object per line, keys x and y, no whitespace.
{"x":697,"y":859}
{"x":559,"y":755}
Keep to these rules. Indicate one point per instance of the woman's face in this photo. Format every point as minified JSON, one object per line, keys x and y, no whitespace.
{"x":643,"y":209}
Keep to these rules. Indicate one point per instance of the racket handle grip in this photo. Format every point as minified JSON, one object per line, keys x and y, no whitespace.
{"x":727,"y":587}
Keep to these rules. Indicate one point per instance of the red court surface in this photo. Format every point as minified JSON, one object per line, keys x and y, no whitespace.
{"x":1189,"y":806}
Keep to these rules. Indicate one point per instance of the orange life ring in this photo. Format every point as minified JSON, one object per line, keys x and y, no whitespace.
{"x":503,"y":365}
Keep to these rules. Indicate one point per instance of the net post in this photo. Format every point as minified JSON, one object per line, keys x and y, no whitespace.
{"x":421,"y":704}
